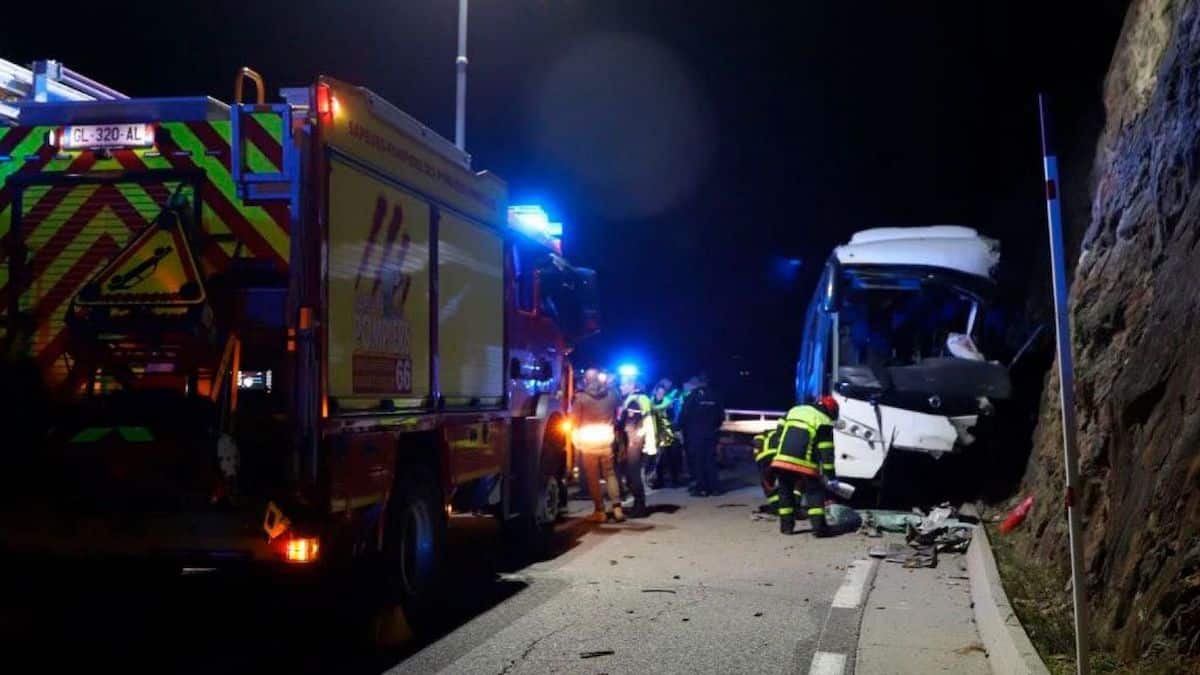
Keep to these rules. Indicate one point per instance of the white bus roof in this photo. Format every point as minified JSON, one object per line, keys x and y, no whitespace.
{"x":950,"y":247}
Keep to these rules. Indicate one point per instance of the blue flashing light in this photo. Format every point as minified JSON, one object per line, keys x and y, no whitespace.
{"x":530,"y":217}
{"x":627,"y":370}
{"x":533,"y":220}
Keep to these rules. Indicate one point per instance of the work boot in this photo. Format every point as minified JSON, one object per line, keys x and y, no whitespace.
{"x":787,"y":525}
{"x":598,"y":517}
{"x":639,"y":510}
{"x":820,"y":528}
{"x":618,"y":515}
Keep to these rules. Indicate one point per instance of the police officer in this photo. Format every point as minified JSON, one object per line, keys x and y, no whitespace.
{"x":803,"y":461}
{"x":701,"y":421}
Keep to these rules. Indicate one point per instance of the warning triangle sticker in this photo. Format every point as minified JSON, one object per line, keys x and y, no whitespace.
{"x":156,"y":268}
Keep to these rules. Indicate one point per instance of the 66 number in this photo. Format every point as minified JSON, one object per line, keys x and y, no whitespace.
{"x":404,"y":375}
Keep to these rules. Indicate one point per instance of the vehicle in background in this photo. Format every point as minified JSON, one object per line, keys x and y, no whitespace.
{"x":285,"y":335}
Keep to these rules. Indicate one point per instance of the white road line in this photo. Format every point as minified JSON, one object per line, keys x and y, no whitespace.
{"x":827,"y":663}
{"x":850,"y":594}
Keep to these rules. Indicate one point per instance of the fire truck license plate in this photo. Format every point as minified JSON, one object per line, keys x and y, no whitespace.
{"x":108,"y":136}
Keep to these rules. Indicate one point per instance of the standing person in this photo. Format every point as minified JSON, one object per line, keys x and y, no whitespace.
{"x":804,"y":461}
{"x":637,"y":420}
{"x":666,"y":404}
{"x":701,"y":420}
{"x":689,"y":455}
{"x":593,"y":412}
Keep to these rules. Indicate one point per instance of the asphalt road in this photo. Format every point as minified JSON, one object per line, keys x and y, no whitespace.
{"x":699,"y":586}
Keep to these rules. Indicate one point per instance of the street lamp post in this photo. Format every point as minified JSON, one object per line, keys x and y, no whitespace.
{"x":460,"y":98}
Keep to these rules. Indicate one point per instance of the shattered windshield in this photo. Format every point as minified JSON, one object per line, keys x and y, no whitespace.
{"x":887,"y":321}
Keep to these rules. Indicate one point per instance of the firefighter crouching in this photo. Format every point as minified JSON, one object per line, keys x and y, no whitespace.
{"x":803,"y":461}
{"x":765,"y":446}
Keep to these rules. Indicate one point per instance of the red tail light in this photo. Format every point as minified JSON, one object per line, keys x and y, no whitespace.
{"x":324,"y":101}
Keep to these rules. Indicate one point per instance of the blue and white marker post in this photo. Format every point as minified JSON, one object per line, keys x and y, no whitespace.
{"x":1066,"y":385}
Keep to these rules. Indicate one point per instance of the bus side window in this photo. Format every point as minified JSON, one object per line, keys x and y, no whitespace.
{"x":812,"y":362}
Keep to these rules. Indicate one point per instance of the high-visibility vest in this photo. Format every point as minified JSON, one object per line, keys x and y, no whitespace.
{"x":766,"y":445}
{"x":640,"y":402}
{"x":815,"y":456}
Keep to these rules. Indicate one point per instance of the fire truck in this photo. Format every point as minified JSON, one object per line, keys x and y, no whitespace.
{"x":282,"y":335}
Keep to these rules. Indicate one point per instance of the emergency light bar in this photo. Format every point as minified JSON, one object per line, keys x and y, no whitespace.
{"x":530,"y":217}
{"x":533,"y":220}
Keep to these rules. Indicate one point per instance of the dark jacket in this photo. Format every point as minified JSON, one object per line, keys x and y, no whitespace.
{"x":702,"y":414}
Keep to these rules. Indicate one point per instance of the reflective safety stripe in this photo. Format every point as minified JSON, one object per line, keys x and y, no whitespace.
{"x":90,"y":434}
{"x":810,"y":419}
{"x":772,"y":499}
{"x":817,"y":511}
{"x":794,"y":468}
{"x":787,"y":511}
{"x":788,"y":459}
{"x":770,"y":443}
{"x":808,"y":415}
{"x":135,"y":434}
{"x":792,"y":424}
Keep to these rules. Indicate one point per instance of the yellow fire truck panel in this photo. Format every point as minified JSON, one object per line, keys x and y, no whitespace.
{"x":378,"y":291}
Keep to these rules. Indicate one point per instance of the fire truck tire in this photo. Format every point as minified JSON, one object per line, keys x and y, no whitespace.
{"x":415,"y":540}
{"x":538,"y":489}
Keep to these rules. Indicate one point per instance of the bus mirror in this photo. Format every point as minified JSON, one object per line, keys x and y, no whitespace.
{"x":831,"y":294}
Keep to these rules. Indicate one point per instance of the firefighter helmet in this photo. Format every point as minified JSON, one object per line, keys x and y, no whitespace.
{"x":828,"y":405}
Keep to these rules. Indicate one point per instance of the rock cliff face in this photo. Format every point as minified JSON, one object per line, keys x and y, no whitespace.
{"x":1136,"y":329}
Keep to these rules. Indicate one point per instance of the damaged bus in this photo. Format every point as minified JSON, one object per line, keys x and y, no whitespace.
{"x":891,"y":332}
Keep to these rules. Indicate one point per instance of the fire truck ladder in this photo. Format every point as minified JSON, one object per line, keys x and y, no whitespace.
{"x":261,"y":186}
{"x":46,"y":81}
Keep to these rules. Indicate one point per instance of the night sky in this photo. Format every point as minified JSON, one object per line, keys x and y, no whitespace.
{"x":690,"y":148}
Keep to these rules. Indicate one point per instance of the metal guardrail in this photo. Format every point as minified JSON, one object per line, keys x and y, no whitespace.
{"x":760,"y":414}
{"x":742,"y":421}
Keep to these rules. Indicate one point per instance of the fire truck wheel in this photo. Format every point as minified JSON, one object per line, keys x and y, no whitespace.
{"x":539,"y":495}
{"x":552,"y":473}
{"x":414,"y":543}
